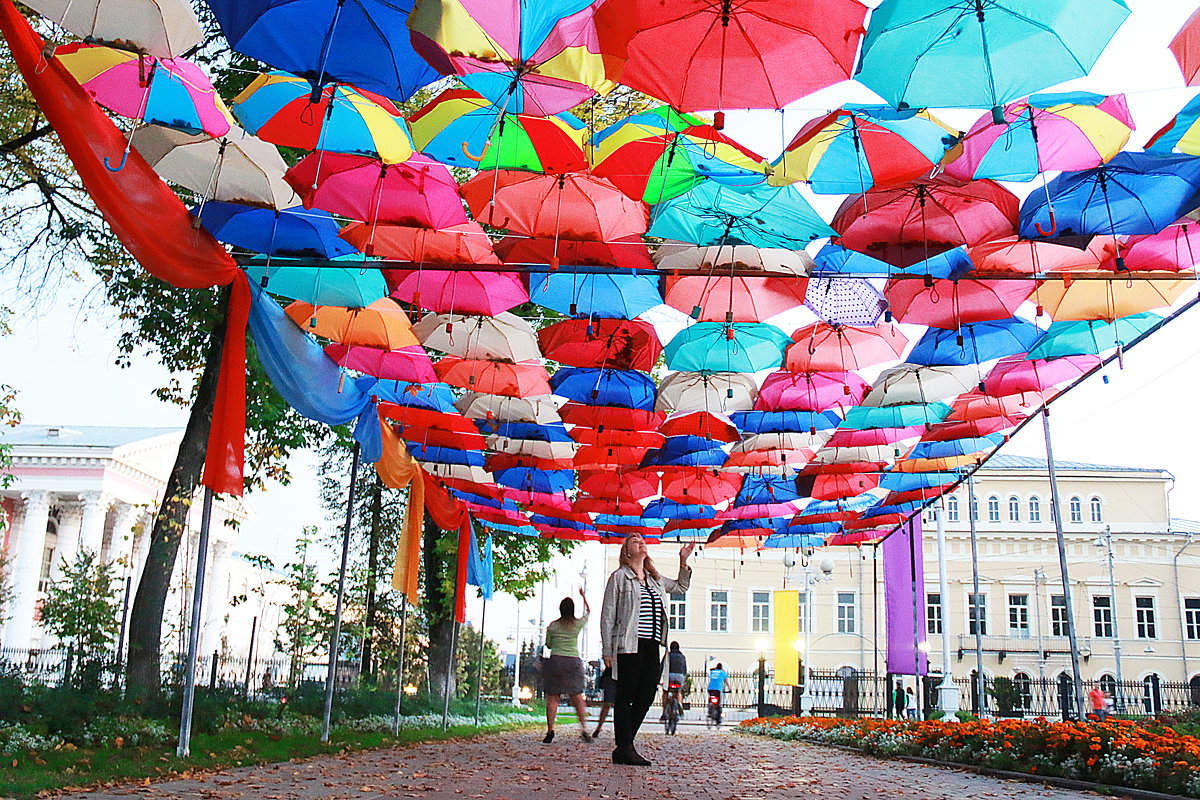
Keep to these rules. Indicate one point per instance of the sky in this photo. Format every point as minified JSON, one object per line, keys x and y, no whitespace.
{"x":61,"y":354}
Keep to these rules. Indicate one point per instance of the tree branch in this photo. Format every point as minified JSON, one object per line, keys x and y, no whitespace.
{"x":12,"y":145}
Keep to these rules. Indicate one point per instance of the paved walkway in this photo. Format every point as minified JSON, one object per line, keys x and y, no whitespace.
{"x":517,"y":766}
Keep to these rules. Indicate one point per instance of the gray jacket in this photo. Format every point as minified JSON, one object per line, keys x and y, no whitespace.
{"x":619,"y":613}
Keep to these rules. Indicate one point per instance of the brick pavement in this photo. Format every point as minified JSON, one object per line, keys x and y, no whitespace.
{"x":695,"y":765}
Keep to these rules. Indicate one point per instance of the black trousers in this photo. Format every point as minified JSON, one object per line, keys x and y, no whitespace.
{"x":638,"y":675}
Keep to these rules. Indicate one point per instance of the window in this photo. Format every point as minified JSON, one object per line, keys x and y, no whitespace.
{"x":1035,"y":510}
{"x":846,"y":612}
{"x":1108,"y":685}
{"x":1076,"y":510}
{"x":1018,"y":615}
{"x":975,"y":508}
{"x":803,"y":613}
{"x":1191,"y":611}
{"x":1058,"y":615}
{"x":1102,"y":616}
{"x":933,"y":612}
{"x":977,"y":613}
{"x":993,"y":509}
{"x":718,"y":610}
{"x":1014,"y":509}
{"x":1097,"y":510}
{"x":677,"y":612}
{"x":760,"y":611}
{"x":1024,"y":687}
{"x":952,"y":509}
{"x":1146,"y":625}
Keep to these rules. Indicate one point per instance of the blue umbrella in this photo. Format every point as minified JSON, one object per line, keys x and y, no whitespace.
{"x":726,"y":347}
{"x":836,"y":260}
{"x":628,"y":521}
{"x":896,"y":508}
{"x":765,"y":489}
{"x":803,"y":536}
{"x":858,"y":503}
{"x":784,"y":421}
{"x":685,"y":451}
{"x":974,"y":343}
{"x":908,"y":481}
{"x":861,"y":418}
{"x":1091,"y":337}
{"x":558,"y":522}
{"x":604,"y":387}
{"x":956,"y":447}
{"x":714,"y":214}
{"x":602,"y":295}
{"x":529,"y":479}
{"x":350,"y":287}
{"x":433,"y":396}
{"x":777,"y":524}
{"x":445,"y":455}
{"x":361,"y":42}
{"x":1134,"y":193}
{"x":662,"y":508}
{"x":503,"y":504}
{"x":523,"y":430}
{"x":291,"y":232}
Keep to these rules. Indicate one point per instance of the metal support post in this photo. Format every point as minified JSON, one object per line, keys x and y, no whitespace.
{"x":189,"y":676}
{"x":336,"y":635}
{"x":975,"y":604}
{"x":449,"y":674}
{"x":400,"y":665}
{"x":947,"y":691}
{"x":479,"y":666}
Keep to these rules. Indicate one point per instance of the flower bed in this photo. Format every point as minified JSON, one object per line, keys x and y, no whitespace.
{"x":1128,"y":753}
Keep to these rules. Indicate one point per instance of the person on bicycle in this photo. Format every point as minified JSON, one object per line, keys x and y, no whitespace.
{"x":716,"y":685}
{"x":676,"y":676}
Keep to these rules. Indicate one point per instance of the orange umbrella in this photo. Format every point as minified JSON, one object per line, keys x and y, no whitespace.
{"x":726,"y":299}
{"x":382,"y":324}
{"x":822,"y":346}
{"x":1010,"y":254}
{"x":975,"y":405}
{"x":465,"y":243}
{"x":1106,"y":300}
{"x":520,"y":379}
{"x":937,"y":464}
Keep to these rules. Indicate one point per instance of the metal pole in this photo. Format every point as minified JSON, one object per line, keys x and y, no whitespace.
{"x":979,"y":694}
{"x":400,"y":665}
{"x":336,"y":635}
{"x":862,"y":656}
{"x":516,"y":687}
{"x":762,"y":684}
{"x":479,"y":666}
{"x":189,"y":676}
{"x":1062,"y":563}
{"x":449,"y":673}
{"x":250,"y":656}
{"x":1182,"y":612}
{"x":875,"y":615}
{"x":1038,"y":577}
{"x":947,"y":692}
{"x":912,"y":569}
{"x":125,"y":619}
{"x":1112,"y":602}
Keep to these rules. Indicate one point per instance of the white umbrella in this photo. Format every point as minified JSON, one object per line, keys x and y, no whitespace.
{"x":532,"y":447}
{"x":504,"y":337}
{"x":913,"y":383}
{"x":849,"y":455}
{"x":162,"y":28}
{"x":460,"y":472}
{"x":699,"y":391}
{"x":791,"y":440}
{"x":234,"y":168}
{"x":771,"y":260}
{"x":537,"y":410}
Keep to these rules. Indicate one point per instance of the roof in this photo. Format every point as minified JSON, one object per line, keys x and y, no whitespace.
{"x":1185,"y":526}
{"x":102,"y":436}
{"x":1001,"y":461}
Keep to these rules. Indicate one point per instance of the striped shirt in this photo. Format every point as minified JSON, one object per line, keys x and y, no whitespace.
{"x":650,"y":614}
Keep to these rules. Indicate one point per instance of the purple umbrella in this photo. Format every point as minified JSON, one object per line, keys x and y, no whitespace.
{"x":845,"y":301}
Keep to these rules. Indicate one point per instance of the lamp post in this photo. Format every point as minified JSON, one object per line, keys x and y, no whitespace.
{"x":947,"y":691}
{"x":811,"y":579}
{"x":516,"y":687}
{"x":762,"y":677}
{"x":1105,"y":541}
{"x":798,"y":697}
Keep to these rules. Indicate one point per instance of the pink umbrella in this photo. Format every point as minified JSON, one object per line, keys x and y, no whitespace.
{"x":1175,"y":248}
{"x":763,"y":510}
{"x":810,"y":391}
{"x":629,"y":252}
{"x":459,"y":292}
{"x":418,"y":192}
{"x":410,"y":364}
{"x":875,"y":436}
{"x":726,"y":299}
{"x":952,"y":304}
{"x":1014,"y":374}
{"x":985,"y":426}
{"x":467,"y":243}
{"x":835,"y":487}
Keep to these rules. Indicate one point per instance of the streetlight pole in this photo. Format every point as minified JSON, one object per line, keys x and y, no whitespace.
{"x":1105,"y":541}
{"x":516,"y":687}
{"x":947,"y":691}
{"x":975,"y":604}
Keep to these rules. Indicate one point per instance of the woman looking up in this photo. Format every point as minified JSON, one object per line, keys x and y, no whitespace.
{"x":563,"y":670}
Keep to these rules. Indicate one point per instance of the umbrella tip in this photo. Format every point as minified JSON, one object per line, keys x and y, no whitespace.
{"x":997,"y":115}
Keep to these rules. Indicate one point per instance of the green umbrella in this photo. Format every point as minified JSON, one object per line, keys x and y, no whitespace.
{"x":350,"y":287}
{"x":727,"y":347}
{"x":1091,"y":337}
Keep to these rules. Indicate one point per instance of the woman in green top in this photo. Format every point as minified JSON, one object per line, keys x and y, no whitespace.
{"x":562,"y":672}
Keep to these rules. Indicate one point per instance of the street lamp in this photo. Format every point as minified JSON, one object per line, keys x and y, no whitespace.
{"x":761,"y":644}
{"x":811,"y":579}
{"x":1105,"y":541}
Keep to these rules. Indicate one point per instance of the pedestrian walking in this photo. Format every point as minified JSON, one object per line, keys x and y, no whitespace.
{"x":899,"y":700}
{"x":562,"y":672}
{"x":633,"y":628}
{"x":609,"y":688}
{"x":1096,"y":699}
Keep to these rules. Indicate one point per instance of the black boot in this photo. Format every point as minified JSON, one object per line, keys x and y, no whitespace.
{"x":627,"y":755}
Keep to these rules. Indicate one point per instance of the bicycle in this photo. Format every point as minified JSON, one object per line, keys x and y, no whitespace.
{"x":674,"y":710}
{"x":714,"y":709}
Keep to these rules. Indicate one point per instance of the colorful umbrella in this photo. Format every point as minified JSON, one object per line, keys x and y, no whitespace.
{"x":627,"y":485}
{"x":856,"y":148}
{"x":503,"y":337}
{"x":1175,"y":248}
{"x":950,"y":304}
{"x":756,"y":54}
{"x":611,"y":417}
{"x":279,"y":108}
{"x":351,"y":287}
{"x":614,"y":343}
{"x":410,"y":364}
{"x":986,"y":426}
{"x":724,"y":299}
{"x":521,"y":379}
{"x":480,"y":405}
{"x":382,"y":324}
{"x":974,"y":343}
{"x":873,"y":436}
{"x":772,"y":260}
{"x":977,"y":405}
{"x":724,"y":392}
{"x":708,"y":425}
{"x":1186,"y":48}
{"x":616,"y":437}
{"x":605,"y":387}
{"x":1106,"y":300}
{"x":418,"y":192}
{"x":833,"y":259}
{"x":1090,"y":337}
{"x":810,"y":391}
{"x":910,"y":383}
{"x":160,"y":28}
{"x":839,"y":348}
{"x":628,"y":252}
{"x":863,"y":417}
{"x":290,"y":232}
{"x":719,"y":347}
{"x":466,"y":243}
{"x":575,"y":206}
{"x":1044,"y":132}
{"x":550,"y":481}
{"x":954,"y":447}
{"x":695,"y":485}
{"x":464,"y":129}
{"x":462,"y":291}
{"x":681,"y":452}
{"x":786,"y":422}
{"x":712,"y":214}
{"x":845,"y":301}
{"x":603,"y":295}
{"x":1011,"y":254}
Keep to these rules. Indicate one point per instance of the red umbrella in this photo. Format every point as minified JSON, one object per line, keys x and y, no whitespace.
{"x":1024,"y":256}
{"x":774,"y":458}
{"x":879,"y":524}
{"x":611,"y":417}
{"x":434,"y":428}
{"x":835,"y":487}
{"x":616,"y":437}
{"x":520,"y":379}
{"x":599,"y":456}
{"x":499,"y":461}
{"x":696,"y":485}
{"x":1175,"y":248}
{"x":952,"y":304}
{"x":700,"y":423}
{"x":585,"y":504}
{"x":855,"y":538}
{"x":839,"y":348}
{"x":467,"y":243}
{"x":419,"y":192}
{"x":949,"y":431}
{"x":811,"y":391}
{"x":874,"y":436}
{"x":725,"y":299}
{"x":461,"y":291}
{"x":628,"y":253}
{"x":574,"y":206}
{"x":1186,"y":49}
{"x":410,"y":364}
{"x":922,"y":494}
{"x":1014,"y":374}
{"x":629,"y":485}
{"x":611,"y":343}
{"x":976,"y":405}
{"x":906,"y":224}
{"x":848,"y":468}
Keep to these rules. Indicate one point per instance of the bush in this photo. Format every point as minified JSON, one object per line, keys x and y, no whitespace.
{"x":12,"y":695}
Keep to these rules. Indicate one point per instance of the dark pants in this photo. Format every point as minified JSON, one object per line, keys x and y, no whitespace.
{"x":638,"y":675}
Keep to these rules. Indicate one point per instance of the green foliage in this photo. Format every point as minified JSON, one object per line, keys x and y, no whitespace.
{"x":82,"y":610}
{"x":1006,"y":693}
{"x":301,"y":630}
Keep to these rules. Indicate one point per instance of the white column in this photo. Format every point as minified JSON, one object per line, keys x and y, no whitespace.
{"x":120,"y":548}
{"x":91,"y":530}
{"x":216,"y":600}
{"x":26,"y":570}
{"x":947,"y":691}
{"x":68,"y":538}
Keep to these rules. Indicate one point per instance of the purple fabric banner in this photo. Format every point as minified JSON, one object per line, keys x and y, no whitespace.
{"x":904,"y":578}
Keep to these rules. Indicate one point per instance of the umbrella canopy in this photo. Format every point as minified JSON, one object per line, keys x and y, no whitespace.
{"x":1181,"y":134}
{"x":906,"y":416}
{"x":605,"y":387}
{"x":766,"y":490}
{"x":1011,"y":254}
{"x":834,"y":259}
{"x":757,"y":54}
{"x":603,"y":295}
{"x":856,"y":148}
{"x":949,"y":304}
{"x":873,"y":436}
{"x":615,"y":343}
{"x":705,"y":424}
{"x":1091,"y":337}
{"x":658,"y":154}
{"x":1186,"y":48}
{"x":785,"y":440}
{"x":172,"y":91}
{"x":464,"y":129}
{"x":985,"y":426}
{"x":696,"y":485}
{"x":773,"y":260}
{"x":572,"y":206}
{"x":722,"y":392}
{"x":382,"y":324}
{"x":419,"y":192}
{"x":824,"y":347}
{"x":624,"y":485}
{"x":1175,"y":248}
{"x":620,"y":417}
{"x":278,"y":107}
{"x":465,"y":243}
{"x":290,"y":232}
{"x":462,"y":291}
{"x":910,"y":383}
{"x":503,"y":337}
{"x":725,"y":299}
{"x":974,"y":343}
{"x":713,"y":214}
{"x":977,"y":405}
{"x":617,"y":438}
{"x":550,"y":481}
{"x":810,"y":391}
{"x":981,"y":55}
{"x":351,"y":287}
{"x":717,"y":347}
{"x":160,"y":28}
{"x":845,"y":301}
{"x":525,"y":379}
{"x":1016,"y":375}
{"x":786,"y":422}
{"x":409,"y":364}
{"x":433,"y":396}
{"x":1106,"y":300}
{"x":1044,"y":132}
{"x":361,"y":42}
{"x":628,"y":252}
{"x":682,"y":452}
{"x":955,"y":447}
{"x":480,"y":405}
{"x":910,"y":223}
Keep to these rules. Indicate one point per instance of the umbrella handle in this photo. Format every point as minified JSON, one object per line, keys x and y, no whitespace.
{"x":1053,"y":226}
{"x":475,"y":158}
{"x":108,"y":165}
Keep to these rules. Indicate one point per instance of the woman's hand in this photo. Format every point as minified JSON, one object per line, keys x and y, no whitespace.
{"x":685,"y":552}
{"x":608,"y":662}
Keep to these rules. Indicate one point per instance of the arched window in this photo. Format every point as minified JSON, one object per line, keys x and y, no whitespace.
{"x":1108,"y":685}
{"x":993,"y":509}
{"x":1076,"y":510}
{"x":1097,"y":510}
{"x":1014,"y":509}
{"x":1035,"y":510}
{"x":952,"y":508}
{"x":1024,"y":687}
{"x":1151,"y":694}
{"x":975,"y":508}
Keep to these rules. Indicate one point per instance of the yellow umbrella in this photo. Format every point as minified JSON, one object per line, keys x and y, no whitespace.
{"x":382,"y":324}
{"x":1106,"y":300}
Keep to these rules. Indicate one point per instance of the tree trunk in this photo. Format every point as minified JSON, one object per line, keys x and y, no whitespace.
{"x":143,"y":672}
{"x":368,"y":667}
{"x":439,"y":611}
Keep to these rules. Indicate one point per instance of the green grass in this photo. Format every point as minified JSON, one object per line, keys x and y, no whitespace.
{"x":30,"y":774}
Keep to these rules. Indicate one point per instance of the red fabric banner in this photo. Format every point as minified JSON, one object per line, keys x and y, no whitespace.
{"x":226,"y":453}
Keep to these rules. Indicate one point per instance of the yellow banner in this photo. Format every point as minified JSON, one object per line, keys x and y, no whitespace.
{"x":787,"y":631}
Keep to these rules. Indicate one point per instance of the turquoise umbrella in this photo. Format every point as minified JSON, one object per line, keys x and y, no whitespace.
{"x":1091,"y":337}
{"x":349,"y":287}
{"x":981,"y":53}
{"x":861,"y":418}
{"x":722,"y":347}
{"x":762,"y":216}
